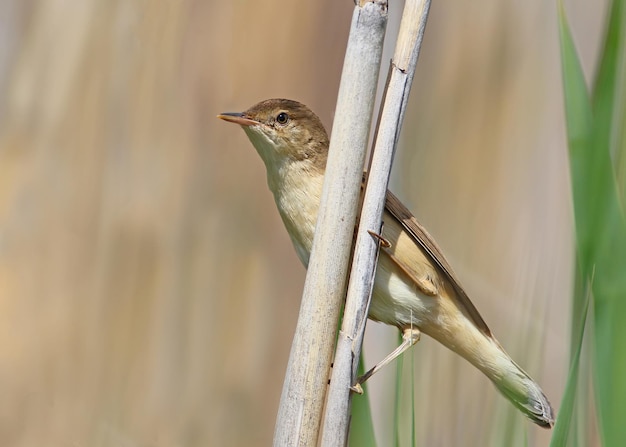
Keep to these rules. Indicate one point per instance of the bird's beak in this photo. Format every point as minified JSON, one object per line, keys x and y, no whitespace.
{"x":237,"y":118}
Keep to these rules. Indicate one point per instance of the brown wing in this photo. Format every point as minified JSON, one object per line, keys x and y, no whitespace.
{"x":424,"y":240}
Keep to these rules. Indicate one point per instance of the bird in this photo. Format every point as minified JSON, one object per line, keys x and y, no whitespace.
{"x":415,"y":288}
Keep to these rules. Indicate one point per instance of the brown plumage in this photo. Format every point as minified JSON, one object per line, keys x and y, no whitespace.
{"x":415,"y":286}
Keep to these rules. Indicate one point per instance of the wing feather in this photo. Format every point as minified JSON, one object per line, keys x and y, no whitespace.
{"x":402,"y":216}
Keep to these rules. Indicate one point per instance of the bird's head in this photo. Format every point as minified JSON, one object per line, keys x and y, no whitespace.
{"x":284,"y":131}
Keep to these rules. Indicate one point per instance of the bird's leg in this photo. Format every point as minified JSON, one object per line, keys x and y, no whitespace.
{"x":410,"y":336}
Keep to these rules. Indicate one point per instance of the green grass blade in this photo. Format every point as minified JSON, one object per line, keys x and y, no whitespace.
{"x":600,"y":224}
{"x":609,"y":93}
{"x":609,"y":285}
{"x":579,"y":120}
{"x":413,"y":431}
{"x":361,"y":425}
{"x":564,"y":421}
{"x":398,"y":398}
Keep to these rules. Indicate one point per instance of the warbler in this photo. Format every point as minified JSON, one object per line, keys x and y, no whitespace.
{"x":415,"y":288}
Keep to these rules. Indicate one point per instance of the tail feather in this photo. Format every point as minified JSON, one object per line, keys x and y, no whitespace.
{"x":486,"y":354}
{"x":526,"y":395}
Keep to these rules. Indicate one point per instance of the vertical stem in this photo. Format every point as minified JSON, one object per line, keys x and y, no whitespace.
{"x":362,"y":275}
{"x":304,"y":389}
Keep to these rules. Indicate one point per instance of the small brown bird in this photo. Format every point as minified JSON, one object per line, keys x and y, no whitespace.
{"x":415,"y":288}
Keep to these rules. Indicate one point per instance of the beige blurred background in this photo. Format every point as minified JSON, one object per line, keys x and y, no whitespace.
{"x":148,"y":292}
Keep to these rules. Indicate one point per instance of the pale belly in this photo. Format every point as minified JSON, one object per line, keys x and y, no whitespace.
{"x":395,"y":299}
{"x":397,"y":302}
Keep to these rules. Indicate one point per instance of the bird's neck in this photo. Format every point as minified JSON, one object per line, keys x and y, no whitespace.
{"x":297,"y":188}
{"x":297,"y":191}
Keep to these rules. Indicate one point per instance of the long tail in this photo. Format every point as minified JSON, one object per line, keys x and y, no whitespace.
{"x":511,"y":380}
{"x":484,"y":352}
{"x":523,"y":392}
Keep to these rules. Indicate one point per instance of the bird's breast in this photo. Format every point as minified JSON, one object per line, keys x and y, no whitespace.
{"x":298,"y":197}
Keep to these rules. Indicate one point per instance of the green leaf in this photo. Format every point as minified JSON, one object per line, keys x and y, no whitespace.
{"x":361,"y":426}
{"x":564,"y":421}
{"x":579,"y":120}
{"x":596,"y":137}
{"x":609,"y":93}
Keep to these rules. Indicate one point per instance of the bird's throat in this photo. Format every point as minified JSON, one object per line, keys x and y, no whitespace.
{"x":297,"y":192}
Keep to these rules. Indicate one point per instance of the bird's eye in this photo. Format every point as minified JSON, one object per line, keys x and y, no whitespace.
{"x":282,"y":118}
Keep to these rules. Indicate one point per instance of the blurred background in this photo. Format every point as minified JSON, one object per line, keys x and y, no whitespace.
{"x":148,"y":292}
